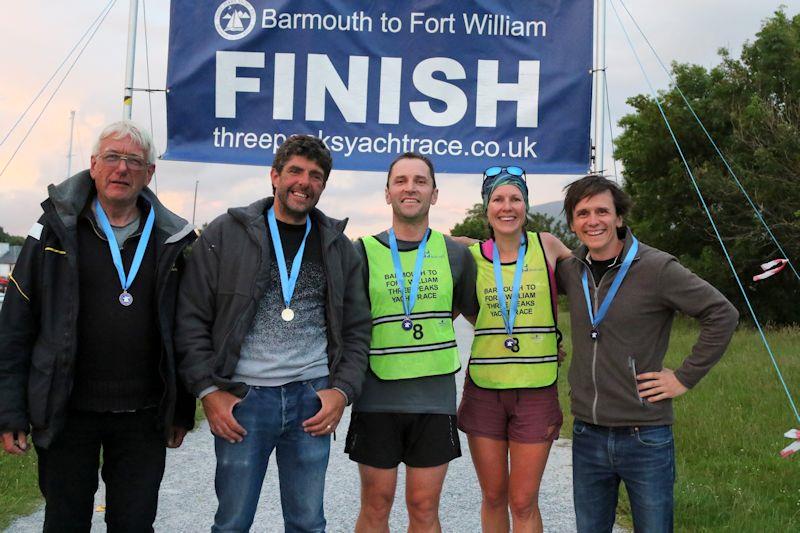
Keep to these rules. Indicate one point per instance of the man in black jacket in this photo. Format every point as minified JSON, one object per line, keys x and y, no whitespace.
{"x":86,"y":348}
{"x":273,"y":333}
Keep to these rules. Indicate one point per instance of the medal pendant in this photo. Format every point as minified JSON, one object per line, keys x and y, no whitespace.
{"x":407,"y":324}
{"x":287,"y":315}
{"x":510,"y":343}
{"x":594,"y":334}
{"x":125,"y":298}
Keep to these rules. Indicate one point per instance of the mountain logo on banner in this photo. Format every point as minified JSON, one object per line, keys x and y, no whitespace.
{"x":235,"y":19}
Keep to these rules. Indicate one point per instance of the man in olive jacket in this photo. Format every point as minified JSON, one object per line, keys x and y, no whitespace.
{"x":273,"y":333}
{"x":87,"y":359}
{"x":621,"y":394}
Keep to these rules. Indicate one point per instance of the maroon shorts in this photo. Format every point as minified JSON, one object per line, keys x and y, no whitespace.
{"x":521,"y":415}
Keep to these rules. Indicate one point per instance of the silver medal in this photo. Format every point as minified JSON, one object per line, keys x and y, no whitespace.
{"x":126,"y":299}
{"x":287,"y":315}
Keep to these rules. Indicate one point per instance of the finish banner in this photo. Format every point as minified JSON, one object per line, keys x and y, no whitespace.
{"x":469,"y":84}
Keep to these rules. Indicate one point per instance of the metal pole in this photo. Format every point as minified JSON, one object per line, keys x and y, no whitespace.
{"x":593,"y":133}
{"x":127,"y":101}
{"x":69,"y":152}
{"x":598,"y":87}
{"x":601,"y":87}
{"x":194,"y":206}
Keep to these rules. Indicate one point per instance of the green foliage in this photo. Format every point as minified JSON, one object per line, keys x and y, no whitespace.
{"x":728,"y":432}
{"x":541,"y":222}
{"x":12,"y":239}
{"x":476,"y":226}
{"x":751,"y":108}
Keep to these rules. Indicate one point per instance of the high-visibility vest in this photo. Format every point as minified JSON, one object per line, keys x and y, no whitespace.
{"x":533,"y":363}
{"x":429,"y":347}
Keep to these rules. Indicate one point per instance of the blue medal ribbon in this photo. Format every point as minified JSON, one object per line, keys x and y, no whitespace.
{"x":509,"y":313}
{"x":125,"y":280}
{"x":612,"y":292}
{"x":287,"y":281}
{"x":411,"y":298}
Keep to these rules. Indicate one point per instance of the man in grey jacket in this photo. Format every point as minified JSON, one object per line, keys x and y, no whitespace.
{"x":273,"y":333}
{"x":623,"y":296}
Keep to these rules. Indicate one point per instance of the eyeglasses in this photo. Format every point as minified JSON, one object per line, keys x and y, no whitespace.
{"x":112,"y":159}
{"x":492,"y":172}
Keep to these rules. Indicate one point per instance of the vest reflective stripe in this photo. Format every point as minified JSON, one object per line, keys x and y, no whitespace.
{"x":414,"y":316}
{"x":520,"y":360}
{"x":517,"y":329}
{"x":413,"y":349}
{"x":429,"y":348}
{"x":535,"y":364}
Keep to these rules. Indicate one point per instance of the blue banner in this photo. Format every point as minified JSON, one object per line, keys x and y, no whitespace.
{"x":467,"y":83}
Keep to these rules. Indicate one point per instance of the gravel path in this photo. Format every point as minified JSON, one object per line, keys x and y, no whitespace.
{"x":187,"y":501}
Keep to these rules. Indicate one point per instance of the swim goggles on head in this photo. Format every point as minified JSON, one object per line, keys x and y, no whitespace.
{"x":492,"y":172}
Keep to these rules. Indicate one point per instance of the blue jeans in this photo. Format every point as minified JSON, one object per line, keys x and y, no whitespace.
{"x":273,"y":418}
{"x":642,"y":457}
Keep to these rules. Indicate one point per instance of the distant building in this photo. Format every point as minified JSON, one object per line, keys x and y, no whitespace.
{"x":8,"y":258}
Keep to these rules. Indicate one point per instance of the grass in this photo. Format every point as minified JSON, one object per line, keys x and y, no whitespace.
{"x":728,"y":432}
{"x":18,"y":486}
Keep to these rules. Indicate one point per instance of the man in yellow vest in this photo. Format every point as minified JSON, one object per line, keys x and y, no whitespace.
{"x":418,"y":280}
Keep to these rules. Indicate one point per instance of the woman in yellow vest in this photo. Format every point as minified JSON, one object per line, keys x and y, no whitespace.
{"x":509,"y":409}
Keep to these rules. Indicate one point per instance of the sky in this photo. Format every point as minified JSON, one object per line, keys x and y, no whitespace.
{"x":35,"y":41}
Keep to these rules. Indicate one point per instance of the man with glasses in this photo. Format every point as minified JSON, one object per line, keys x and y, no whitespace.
{"x":86,"y":349}
{"x":417,"y":281}
{"x":623,"y":296}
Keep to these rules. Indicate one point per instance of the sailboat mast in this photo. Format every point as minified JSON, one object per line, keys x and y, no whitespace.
{"x":599,"y":87}
{"x":127,"y":102}
{"x":69,"y":152}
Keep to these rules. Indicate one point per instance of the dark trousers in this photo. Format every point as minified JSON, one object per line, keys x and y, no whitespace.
{"x":133,"y":464}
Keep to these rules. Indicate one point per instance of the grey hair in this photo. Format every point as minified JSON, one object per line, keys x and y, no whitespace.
{"x":127,"y":128}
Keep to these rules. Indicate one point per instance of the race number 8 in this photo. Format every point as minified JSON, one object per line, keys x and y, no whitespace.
{"x":418,"y":334}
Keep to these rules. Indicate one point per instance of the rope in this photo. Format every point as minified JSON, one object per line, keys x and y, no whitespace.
{"x":39,"y":116}
{"x":55,"y":72}
{"x":714,"y":144}
{"x":149,"y":92}
{"x":710,"y":218}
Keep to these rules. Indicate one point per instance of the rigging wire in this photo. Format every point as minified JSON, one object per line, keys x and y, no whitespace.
{"x":149,"y":85}
{"x":63,"y":62}
{"x":714,"y":144}
{"x":611,"y":128}
{"x":55,"y":91}
{"x":710,"y":217}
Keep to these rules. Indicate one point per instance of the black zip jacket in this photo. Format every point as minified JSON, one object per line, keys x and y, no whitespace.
{"x":38,"y":321}
{"x":225,"y":279}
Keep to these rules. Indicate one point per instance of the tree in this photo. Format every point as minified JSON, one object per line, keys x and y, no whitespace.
{"x":476,"y":226}
{"x":751,"y":108}
{"x":11,"y":239}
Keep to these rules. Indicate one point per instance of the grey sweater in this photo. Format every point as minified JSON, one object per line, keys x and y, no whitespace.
{"x":637,"y":326}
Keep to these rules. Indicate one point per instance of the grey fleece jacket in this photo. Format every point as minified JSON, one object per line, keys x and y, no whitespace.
{"x":226,"y":277}
{"x":637,"y":326}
